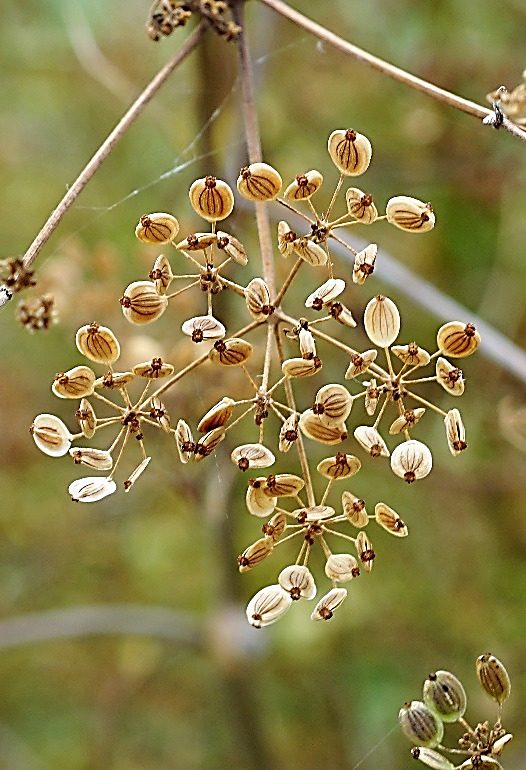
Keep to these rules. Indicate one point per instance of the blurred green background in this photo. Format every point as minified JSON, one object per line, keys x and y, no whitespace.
{"x":199,"y":688}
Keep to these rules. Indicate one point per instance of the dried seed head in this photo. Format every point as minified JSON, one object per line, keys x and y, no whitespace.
{"x":231,"y":352}
{"x":365,"y":551}
{"x":411,"y":460}
{"x":341,"y":567}
{"x":312,"y":427}
{"x":232,"y":247}
{"x":333,"y":404}
{"x":300,"y":367}
{"x":382,"y":321}
{"x":303,"y":186}
{"x":141,"y":304}
{"x":157,"y":228}
{"x":99,"y":459}
{"x":354,"y":509}
{"x":411,"y":354}
{"x":134,"y":475}
{"x":98,"y":343}
{"x":325,"y":608}
{"x":34,"y":313}
{"x":197,"y":242}
{"x":259,"y":182}
{"x":360,"y":363}
{"x":360,"y":205}
{"x":455,"y":432}
{"x":445,"y":695}
{"x":275,"y":527}
{"x":252,"y":456}
{"x":50,"y":435}
{"x":259,"y":502}
{"x":325,"y":293}
{"x":370,"y":440}
{"x":406,"y":420}
{"x":431,"y":758}
{"x":203,"y":327}
{"x":161,"y":274}
{"x":458,"y":340}
{"x":420,"y":724}
{"x":390,"y":520}
{"x":493,"y":677}
{"x":449,"y":377}
{"x":350,"y":151}
{"x":159,"y":413}
{"x":364,"y":263}
{"x":206,"y":445}
{"x":257,"y":298}
{"x":342,"y":466}
{"x":288,"y":433}
{"x":217,"y":416}
{"x":87,"y":420}
{"x":114,"y":380}
{"x":286,"y":238}
{"x":297,"y":580}
{"x":255,"y":554}
{"x":312,"y":253}
{"x":91,"y":489}
{"x":307,"y":344}
{"x":76,"y":383}
{"x":153,"y":370}
{"x":267,"y":606}
{"x":410,"y":214}
{"x":211,"y":198}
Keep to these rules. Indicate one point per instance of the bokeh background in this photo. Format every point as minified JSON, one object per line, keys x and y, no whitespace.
{"x":154,"y":666}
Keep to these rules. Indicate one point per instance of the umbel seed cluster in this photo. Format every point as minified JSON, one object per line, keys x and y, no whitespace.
{"x":272,"y":352}
{"x":444,"y":702}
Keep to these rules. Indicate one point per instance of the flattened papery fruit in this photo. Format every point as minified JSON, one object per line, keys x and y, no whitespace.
{"x":98,"y":343}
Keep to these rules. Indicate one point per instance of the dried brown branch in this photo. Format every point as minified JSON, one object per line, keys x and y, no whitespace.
{"x":107,"y":146}
{"x":402,"y":76}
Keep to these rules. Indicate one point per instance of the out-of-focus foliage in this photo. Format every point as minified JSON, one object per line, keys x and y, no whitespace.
{"x":300,"y":695}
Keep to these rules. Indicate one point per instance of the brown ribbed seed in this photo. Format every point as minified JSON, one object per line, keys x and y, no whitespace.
{"x":286,"y":238}
{"x":197,"y":242}
{"x":360,"y":205}
{"x":75,"y":383}
{"x":341,"y":466}
{"x":98,"y":343}
{"x":86,"y":418}
{"x":458,"y":340}
{"x":211,"y":198}
{"x":354,"y":509}
{"x":420,"y":725}
{"x":257,"y":298}
{"x":275,"y":527}
{"x":350,"y":151}
{"x":445,"y":695}
{"x":303,"y":186}
{"x":232,"y":247}
{"x":381,"y":321}
{"x":255,"y":553}
{"x":493,"y":677}
{"x":455,"y":432}
{"x":390,"y":520}
{"x":259,"y":182}
{"x":157,"y":229}
{"x":161,"y":274}
{"x":365,"y":551}
{"x":217,"y":416}
{"x":410,"y":214}
{"x":153,"y":370}
{"x":141,"y":303}
{"x":449,"y":377}
{"x":333,"y":404}
{"x":231,"y":352}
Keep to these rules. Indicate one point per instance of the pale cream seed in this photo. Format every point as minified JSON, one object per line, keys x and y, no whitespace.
{"x":157,"y":229}
{"x":211,"y":198}
{"x":259,"y":182}
{"x":350,"y":151}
